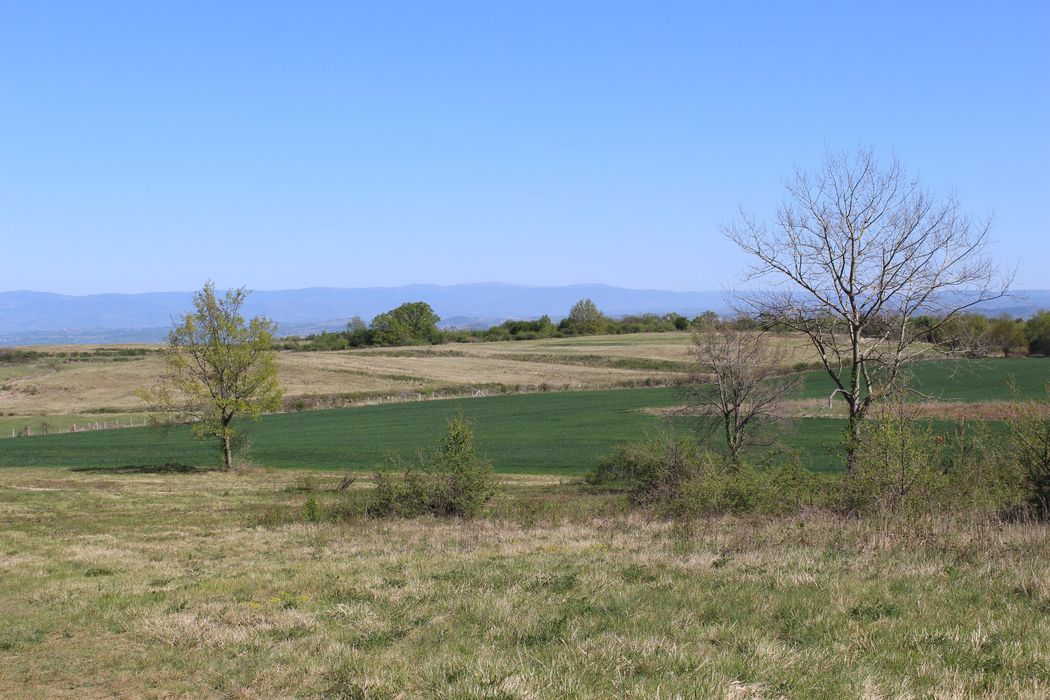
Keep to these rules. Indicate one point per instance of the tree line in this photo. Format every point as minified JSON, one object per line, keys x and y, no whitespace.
{"x":968,"y":334}
{"x":415,"y":323}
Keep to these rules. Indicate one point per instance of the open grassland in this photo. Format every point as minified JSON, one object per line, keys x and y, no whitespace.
{"x":209,"y":584}
{"x":564,"y":432}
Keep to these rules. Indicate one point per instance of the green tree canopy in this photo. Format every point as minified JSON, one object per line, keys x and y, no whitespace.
{"x":1007,"y":335}
{"x":1039,"y":333}
{"x":412,"y":322}
{"x":585,"y":318}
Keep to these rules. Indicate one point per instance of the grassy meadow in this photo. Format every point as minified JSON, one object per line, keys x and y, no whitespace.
{"x":209,"y":584}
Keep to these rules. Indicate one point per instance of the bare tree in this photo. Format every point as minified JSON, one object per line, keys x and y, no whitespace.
{"x":737,"y":383}
{"x":857,"y":243}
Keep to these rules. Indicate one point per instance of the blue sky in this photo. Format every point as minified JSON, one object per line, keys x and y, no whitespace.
{"x":150,"y":146}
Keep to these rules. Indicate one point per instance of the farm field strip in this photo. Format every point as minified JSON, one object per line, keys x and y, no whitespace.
{"x":86,"y":386}
{"x":79,"y":386}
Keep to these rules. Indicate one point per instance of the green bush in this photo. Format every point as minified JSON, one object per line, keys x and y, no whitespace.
{"x":1029,"y":442}
{"x":746,"y":488}
{"x":898,"y":465}
{"x":405,"y":497}
{"x":902,"y":467}
{"x":674,"y":475}
{"x":452,"y":481}
{"x":651,"y":470}
{"x":311,"y":511}
{"x":467,"y":482}
{"x":979,"y":474}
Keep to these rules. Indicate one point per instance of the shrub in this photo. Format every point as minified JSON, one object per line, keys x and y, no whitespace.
{"x":897,"y":464}
{"x":467,"y":482}
{"x":1038,"y":331}
{"x":744,"y":488}
{"x":406,"y":497}
{"x":674,"y":475}
{"x":902,"y":467}
{"x":311,"y":511}
{"x":651,"y":470}
{"x":979,"y":474}
{"x":1029,"y":440}
{"x":452,"y":481}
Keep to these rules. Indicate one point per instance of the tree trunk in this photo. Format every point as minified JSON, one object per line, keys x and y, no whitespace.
{"x":852,"y":440}
{"x":227,"y":453}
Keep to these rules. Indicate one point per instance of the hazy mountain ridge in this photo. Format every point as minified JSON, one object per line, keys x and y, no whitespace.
{"x":28,"y":317}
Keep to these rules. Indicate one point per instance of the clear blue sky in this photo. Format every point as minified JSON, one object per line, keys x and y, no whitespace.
{"x":148,"y":146}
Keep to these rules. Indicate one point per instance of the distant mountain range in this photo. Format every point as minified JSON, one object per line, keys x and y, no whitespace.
{"x":28,"y":318}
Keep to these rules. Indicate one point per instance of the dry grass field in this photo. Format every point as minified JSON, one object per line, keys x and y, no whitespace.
{"x":210,"y":584}
{"x":100,"y":389}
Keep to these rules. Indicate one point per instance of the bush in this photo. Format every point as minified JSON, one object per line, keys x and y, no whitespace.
{"x":406,"y":497}
{"x":311,"y":511}
{"x":651,"y":470}
{"x":897,"y":465}
{"x":904,"y":468}
{"x":674,"y":475}
{"x":452,"y":481}
{"x":1038,"y":331}
{"x":1029,"y":425}
{"x":979,"y":474}
{"x":467,"y":482}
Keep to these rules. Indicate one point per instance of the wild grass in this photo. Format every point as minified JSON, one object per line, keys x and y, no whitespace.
{"x":208,"y":584}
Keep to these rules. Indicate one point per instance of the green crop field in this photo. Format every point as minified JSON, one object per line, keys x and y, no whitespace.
{"x":532,"y":433}
{"x":961,"y":380}
{"x":526,"y":433}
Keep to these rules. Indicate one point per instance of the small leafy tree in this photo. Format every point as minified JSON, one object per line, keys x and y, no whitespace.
{"x":418,"y":319}
{"x":1038,"y":329}
{"x":386,"y":329}
{"x":357,"y":332}
{"x":218,"y":368}
{"x":708,"y":319}
{"x":469,"y":481}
